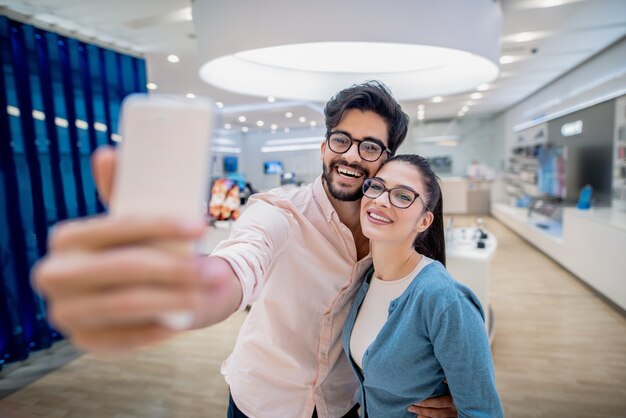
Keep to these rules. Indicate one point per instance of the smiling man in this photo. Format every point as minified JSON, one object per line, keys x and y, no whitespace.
{"x":296,"y":256}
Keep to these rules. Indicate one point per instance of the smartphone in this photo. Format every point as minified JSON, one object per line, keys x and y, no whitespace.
{"x":163,"y":162}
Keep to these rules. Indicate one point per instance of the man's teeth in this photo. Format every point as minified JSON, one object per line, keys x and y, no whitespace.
{"x":380,"y":218}
{"x":349,"y":172}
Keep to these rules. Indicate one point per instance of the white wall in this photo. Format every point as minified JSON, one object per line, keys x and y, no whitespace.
{"x":306,"y":164}
{"x":476,"y":139}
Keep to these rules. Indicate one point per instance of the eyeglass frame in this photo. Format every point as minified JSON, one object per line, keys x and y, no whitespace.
{"x":389,"y":190}
{"x":359,"y":142}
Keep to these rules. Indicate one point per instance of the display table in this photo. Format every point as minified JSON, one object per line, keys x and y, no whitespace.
{"x":470,"y":265}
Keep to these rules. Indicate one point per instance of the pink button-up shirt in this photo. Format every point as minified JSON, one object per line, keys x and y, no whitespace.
{"x":298,"y":263}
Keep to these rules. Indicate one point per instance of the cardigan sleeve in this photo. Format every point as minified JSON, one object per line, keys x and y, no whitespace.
{"x":461,"y":346}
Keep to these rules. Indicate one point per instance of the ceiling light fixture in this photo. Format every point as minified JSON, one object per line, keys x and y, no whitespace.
{"x":301,"y":119}
{"x":506,"y":59}
{"x":437,"y":99}
{"x":173,"y":59}
{"x":288,"y":115}
{"x":152,"y":86}
{"x":241,"y":118}
{"x":271,"y":99}
{"x":260,"y":123}
{"x":476,"y":96}
{"x":482,"y":87}
{"x":417,"y":55}
{"x":191,"y":96}
{"x":219,"y":105}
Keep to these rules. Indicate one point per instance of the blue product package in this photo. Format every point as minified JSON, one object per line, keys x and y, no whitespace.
{"x":584,"y":200}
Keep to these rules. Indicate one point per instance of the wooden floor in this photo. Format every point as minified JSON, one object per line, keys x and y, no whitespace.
{"x":559,"y":351}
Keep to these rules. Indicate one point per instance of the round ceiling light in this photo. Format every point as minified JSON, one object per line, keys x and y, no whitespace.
{"x":298,"y":50}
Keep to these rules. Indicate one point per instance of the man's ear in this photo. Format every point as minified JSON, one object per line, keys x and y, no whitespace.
{"x":322,"y":149}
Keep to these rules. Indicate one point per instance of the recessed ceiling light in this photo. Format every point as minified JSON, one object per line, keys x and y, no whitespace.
{"x":274,"y":126}
{"x":227,"y":126}
{"x":482,"y":87}
{"x":173,"y":59}
{"x":421,"y":106}
{"x":288,"y":115}
{"x":191,"y":96}
{"x":420,"y":117}
{"x":506,"y":59}
{"x":244,"y":129}
{"x":219,"y":104}
{"x":313,"y":124}
{"x":302,"y":119}
{"x":152,"y":86}
{"x":476,"y":96}
{"x":241,"y":118}
{"x":271,"y":99}
{"x":437,"y":99}
{"x":259,"y":123}
{"x":465,"y":108}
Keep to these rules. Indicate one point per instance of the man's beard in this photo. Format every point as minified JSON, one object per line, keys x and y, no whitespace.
{"x":329,"y":172}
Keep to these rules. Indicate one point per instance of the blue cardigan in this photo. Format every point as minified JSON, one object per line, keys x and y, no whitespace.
{"x":435,"y":331}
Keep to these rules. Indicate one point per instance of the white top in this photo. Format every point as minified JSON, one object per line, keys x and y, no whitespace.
{"x":374,"y":310}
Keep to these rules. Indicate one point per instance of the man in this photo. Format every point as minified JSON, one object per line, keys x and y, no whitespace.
{"x":299,"y":256}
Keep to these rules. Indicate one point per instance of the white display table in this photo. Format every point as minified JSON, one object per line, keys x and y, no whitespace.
{"x":470,"y":265}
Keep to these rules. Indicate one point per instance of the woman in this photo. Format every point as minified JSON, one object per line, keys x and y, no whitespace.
{"x":413,"y":331}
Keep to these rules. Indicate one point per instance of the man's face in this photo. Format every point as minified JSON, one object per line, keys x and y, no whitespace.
{"x":344,"y":173}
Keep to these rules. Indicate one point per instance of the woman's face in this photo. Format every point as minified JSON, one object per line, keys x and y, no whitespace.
{"x":382,"y":221}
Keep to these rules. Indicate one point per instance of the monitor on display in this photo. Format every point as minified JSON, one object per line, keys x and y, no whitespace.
{"x":273,"y":167}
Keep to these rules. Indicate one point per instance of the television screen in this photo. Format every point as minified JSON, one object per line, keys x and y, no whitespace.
{"x":551,"y":171}
{"x":273,"y":167}
{"x":230,"y":164}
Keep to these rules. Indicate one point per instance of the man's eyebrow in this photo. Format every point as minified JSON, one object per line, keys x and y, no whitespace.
{"x":370,"y":138}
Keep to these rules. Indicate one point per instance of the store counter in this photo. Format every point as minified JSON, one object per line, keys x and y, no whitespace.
{"x":591,"y":244}
{"x":464,"y":196}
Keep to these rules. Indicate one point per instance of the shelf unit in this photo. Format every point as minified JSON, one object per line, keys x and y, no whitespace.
{"x":521,"y":174}
{"x":619,"y":155}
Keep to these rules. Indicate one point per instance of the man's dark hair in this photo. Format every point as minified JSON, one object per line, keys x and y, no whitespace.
{"x":373,"y":96}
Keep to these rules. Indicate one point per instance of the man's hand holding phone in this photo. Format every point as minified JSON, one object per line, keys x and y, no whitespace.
{"x":110,"y":284}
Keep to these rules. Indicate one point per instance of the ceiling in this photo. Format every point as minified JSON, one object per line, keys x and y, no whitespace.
{"x":541,"y":41}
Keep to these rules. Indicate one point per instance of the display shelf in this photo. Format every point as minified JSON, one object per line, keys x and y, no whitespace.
{"x":619,"y":155}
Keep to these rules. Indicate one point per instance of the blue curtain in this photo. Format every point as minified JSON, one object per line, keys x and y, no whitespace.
{"x":59,"y":100}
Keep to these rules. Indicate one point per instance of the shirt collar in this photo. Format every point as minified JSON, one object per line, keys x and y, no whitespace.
{"x":323,"y":202}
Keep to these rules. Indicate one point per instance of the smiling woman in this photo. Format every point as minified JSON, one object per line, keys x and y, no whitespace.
{"x":410,"y":309}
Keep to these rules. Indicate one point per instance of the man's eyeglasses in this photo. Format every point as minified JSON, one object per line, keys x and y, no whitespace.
{"x":398,"y":196}
{"x":369,"y":149}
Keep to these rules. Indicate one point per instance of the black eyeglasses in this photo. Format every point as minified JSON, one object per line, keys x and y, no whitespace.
{"x":369,"y":149}
{"x":398,"y":196}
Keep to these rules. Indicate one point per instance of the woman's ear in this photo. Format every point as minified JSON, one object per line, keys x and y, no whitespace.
{"x":424,"y":222}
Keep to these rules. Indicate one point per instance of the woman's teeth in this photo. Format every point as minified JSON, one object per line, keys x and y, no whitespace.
{"x":380,"y":218}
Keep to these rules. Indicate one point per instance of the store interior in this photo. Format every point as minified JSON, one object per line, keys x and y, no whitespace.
{"x":531,"y":161}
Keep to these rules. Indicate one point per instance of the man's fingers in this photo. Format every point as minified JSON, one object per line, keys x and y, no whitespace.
{"x":76,"y":273}
{"x":127,"y":308}
{"x":443,"y":401}
{"x":103,"y":168}
{"x":105,"y":231}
